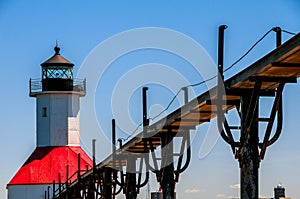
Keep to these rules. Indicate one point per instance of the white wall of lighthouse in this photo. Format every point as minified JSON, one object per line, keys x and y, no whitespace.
{"x":29,"y":191}
{"x":58,"y":119}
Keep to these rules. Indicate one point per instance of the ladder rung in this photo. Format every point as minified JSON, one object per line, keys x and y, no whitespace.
{"x":235,"y":127}
{"x":176,"y":154}
{"x":263,"y":119}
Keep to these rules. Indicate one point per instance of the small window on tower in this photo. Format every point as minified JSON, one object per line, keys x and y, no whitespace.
{"x":44,"y":112}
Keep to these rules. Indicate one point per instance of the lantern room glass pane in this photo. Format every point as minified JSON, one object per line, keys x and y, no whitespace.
{"x":57,"y":72}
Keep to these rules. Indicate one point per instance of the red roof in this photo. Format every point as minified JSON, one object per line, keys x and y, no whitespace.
{"x":44,"y":164}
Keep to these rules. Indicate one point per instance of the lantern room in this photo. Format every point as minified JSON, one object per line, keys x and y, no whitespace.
{"x":57,"y":75}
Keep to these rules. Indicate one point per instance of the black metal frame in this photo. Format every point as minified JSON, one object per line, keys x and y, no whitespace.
{"x":166,"y":174}
{"x":248,"y":150}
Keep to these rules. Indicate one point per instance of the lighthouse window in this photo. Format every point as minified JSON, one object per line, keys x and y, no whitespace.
{"x":62,"y":72}
{"x":44,"y":112}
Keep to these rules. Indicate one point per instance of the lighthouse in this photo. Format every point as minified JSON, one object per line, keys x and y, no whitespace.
{"x":56,"y":156}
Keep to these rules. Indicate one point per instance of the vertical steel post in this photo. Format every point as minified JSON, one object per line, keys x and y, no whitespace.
{"x":113,"y":142}
{"x":107,"y":188}
{"x":78,"y":166}
{"x":94,"y":153}
{"x":132,"y":176}
{"x":53,"y":189}
{"x":120,"y":143}
{"x":30,"y":86}
{"x":249,"y":154}
{"x":278,"y":36}
{"x":221,"y":50}
{"x":94,"y":161}
{"x":48,"y":192}
{"x":59,"y":183}
{"x":186,"y":95}
{"x":78,"y":187}
{"x":131,"y":191}
{"x":220,"y":91}
{"x":167,"y":166}
{"x":145,"y":119}
{"x":113,"y":137}
{"x":91,"y":189}
{"x":220,"y":75}
{"x":67,"y":182}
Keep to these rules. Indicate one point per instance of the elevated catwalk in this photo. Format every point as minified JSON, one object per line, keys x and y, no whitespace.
{"x":265,"y":77}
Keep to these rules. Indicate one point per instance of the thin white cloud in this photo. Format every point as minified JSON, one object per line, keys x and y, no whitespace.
{"x":235,"y":186}
{"x":193,"y":191}
{"x":220,"y":195}
{"x":233,"y":197}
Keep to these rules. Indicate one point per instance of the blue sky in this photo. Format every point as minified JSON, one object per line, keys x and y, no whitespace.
{"x":28,"y":33}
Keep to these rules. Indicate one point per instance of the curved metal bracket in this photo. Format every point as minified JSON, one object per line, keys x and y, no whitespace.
{"x":185,"y":142}
{"x":188,"y":143}
{"x":145,"y":181}
{"x":117,"y":192}
{"x":142,"y":184}
{"x":115,"y":175}
{"x":279,"y":124}
{"x":277,"y":108}
{"x":151,"y":168}
{"x":115,"y":183}
{"x":227,"y":137}
{"x":122,"y":184}
{"x":225,"y":131}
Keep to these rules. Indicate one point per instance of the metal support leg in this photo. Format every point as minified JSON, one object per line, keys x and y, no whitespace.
{"x":91,"y":189}
{"x":248,"y":154}
{"x":167,"y":168}
{"x":131,"y":192}
{"x":107,"y":188}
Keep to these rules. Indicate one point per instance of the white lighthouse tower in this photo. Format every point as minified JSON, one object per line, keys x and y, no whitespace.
{"x":57,"y":96}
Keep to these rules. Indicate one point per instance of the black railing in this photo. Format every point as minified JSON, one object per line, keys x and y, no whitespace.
{"x":69,"y":180}
{"x":40,"y":85}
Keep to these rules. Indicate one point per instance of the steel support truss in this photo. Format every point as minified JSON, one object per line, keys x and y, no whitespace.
{"x":126,"y":177}
{"x":125,"y":174}
{"x":167,"y":173}
{"x":249,"y":150}
{"x":163,"y":167}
